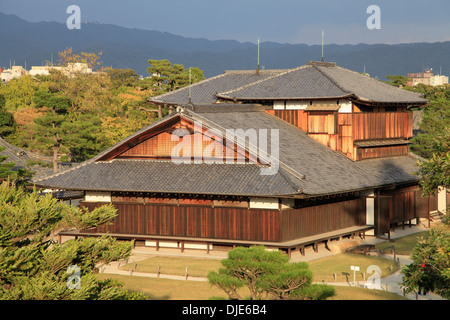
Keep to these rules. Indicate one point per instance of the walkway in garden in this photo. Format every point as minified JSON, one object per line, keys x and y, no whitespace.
{"x":389,"y":283}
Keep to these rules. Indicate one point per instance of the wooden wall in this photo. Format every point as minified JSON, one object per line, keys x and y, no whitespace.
{"x":345,"y":137}
{"x":193,"y":221}
{"x":161,"y":146}
{"x":382,"y":125}
{"x":315,"y":219}
{"x":232,"y":223}
{"x":338,"y":131}
{"x":402,"y":205}
{"x":297,"y":118}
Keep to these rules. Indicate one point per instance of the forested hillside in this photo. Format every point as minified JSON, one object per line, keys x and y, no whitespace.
{"x":29,"y":43}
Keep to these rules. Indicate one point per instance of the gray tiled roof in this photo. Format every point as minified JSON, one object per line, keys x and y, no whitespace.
{"x":306,"y":166}
{"x":370,"y":89}
{"x":305,"y":82}
{"x":168,"y":177}
{"x":204,"y":92}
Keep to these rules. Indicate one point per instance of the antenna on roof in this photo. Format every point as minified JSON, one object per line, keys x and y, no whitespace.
{"x":323,"y":33}
{"x":257,"y":69}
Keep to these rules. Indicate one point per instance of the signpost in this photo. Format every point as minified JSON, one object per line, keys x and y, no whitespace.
{"x":354,"y":268}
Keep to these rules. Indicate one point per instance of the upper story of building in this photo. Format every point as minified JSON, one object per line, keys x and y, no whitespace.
{"x":349,"y":112}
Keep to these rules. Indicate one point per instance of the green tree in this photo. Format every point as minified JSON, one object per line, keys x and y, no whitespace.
{"x":123,"y":78}
{"x":19,"y":93}
{"x":267,"y":275}
{"x":397,"y":80}
{"x":7,"y":122}
{"x":18,"y":177}
{"x":432,"y":143}
{"x":430,"y":269}
{"x":35,"y":267}
{"x":5,"y":167}
{"x":49,"y":127}
{"x":167,"y":77}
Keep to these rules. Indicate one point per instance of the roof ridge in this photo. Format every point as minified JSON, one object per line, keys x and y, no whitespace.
{"x":254,"y":71}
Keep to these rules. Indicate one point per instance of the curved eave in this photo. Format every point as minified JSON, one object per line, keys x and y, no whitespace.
{"x":391,"y":103}
{"x":290,"y":195}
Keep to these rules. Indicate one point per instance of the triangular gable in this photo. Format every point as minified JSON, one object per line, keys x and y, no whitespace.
{"x":180,"y":139}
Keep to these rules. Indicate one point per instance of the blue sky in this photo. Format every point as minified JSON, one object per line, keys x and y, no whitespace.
{"x":291,"y":21}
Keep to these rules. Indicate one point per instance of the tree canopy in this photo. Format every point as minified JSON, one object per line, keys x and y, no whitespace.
{"x":168,"y":77}
{"x":433,"y":141}
{"x":267,"y":275}
{"x":35,"y":267}
{"x":430,"y":269}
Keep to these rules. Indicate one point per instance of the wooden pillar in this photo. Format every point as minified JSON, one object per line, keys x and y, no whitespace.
{"x":302,"y":250}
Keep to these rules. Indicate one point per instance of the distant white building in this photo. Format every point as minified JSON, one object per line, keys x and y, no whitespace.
{"x":14,"y":72}
{"x":427,"y":78}
{"x":42,"y":70}
{"x":18,"y":71}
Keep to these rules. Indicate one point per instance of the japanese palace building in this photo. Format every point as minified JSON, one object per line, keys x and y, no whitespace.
{"x":342,"y":165}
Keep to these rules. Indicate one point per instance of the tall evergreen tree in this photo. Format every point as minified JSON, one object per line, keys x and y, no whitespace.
{"x":35,"y":267}
{"x":49,"y":127}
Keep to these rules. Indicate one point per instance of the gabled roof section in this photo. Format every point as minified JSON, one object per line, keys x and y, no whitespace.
{"x":321,"y":80}
{"x":369,"y":89}
{"x":204,"y":92}
{"x":304,"y":82}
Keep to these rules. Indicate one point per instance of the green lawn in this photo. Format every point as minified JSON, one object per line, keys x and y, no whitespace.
{"x":325,"y":269}
{"x":167,"y":289}
{"x":405,"y":245}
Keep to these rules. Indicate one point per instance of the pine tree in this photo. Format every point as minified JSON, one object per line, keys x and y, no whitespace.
{"x":267,"y":275}
{"x":35,"y":267}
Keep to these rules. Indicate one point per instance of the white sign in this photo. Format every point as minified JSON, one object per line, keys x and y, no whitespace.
{"x":354,"y":268}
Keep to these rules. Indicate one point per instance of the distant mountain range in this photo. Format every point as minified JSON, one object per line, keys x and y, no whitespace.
{"x":35,"y":42}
